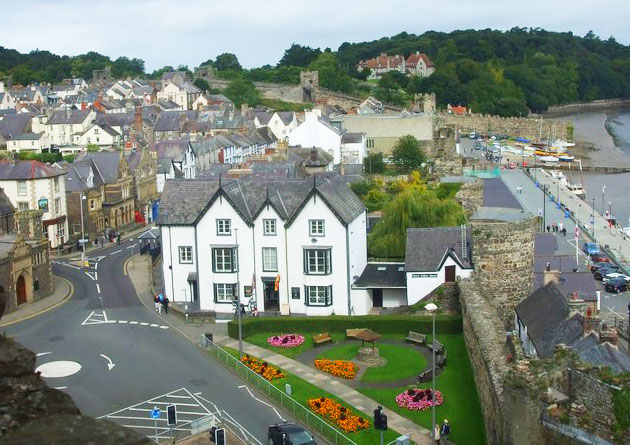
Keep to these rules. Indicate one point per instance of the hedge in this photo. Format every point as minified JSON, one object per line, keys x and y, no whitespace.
{"x":383,"y":324}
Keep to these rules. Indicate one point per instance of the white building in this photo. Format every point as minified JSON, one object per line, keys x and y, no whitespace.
{"x":179,"y":152}
{"x":434,"y":256}
{"x":282,"y":123}
{"x":33,"y":142}
{"x":292,"y":246}
{"x":62,"y":127}
{"x":183,"y":94}
{"x":353,"y":148}
{"x":6,"y":99}
{"x":315,"y":131}
{"x":32,"y":185}
{"x":99,"y":134}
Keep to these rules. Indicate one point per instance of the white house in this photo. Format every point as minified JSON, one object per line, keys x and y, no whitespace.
{"x":180,"y":152}
{"x":290,"y":246}
{"x":33,"y":142}
{"x":353,"y":148}
{"x":166,"y":169}
{"x":434,"y":256}
{"x":62,"y":127}
{"x":98,"y":134}
{"x":315,"y":131}
{"x":282,"y":123}
{"x":183,"y":94}
{"x":6,"y":99}
{"x":32,"y":185}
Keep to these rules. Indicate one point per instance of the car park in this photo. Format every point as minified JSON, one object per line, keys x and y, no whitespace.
{"x":590,"y":248}
{"x":289,"y":433}
{"x":600,"y":273}
{"x":617,"y":285}
{"x":599,"y":265}
{"x":615,"y":275}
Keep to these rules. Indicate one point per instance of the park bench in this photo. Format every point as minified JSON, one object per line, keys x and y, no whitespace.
{"x":441,"y":359}
{"x":425,"y":376}
{"x":415,"y":337}
{"x":439,"y":347}
{"x":352,"y":333}
{"x":321,"y":338}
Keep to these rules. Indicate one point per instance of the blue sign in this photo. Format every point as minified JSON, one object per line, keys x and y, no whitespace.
{"x":155,"y":413}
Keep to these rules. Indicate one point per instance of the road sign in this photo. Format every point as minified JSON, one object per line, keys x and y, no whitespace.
{"x":171,"y":415}
{"x":155,"y":413}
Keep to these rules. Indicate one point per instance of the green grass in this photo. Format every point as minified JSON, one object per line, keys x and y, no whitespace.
{"x":402,"y":362}
{"x":461,"y":402}
{"x":302,"y":391}
{"x":260,"y":339}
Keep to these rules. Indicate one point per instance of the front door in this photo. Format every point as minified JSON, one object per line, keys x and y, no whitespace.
{"x":20,"y":289}
{"x":377,"y":297}
{"x":272,"y":299}
{"x":449,"y":273}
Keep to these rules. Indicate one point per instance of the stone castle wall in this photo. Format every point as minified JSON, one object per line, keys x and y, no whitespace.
{"x":470,"y":196}
{"x":503,"y":256}
{"x":512,"y":126}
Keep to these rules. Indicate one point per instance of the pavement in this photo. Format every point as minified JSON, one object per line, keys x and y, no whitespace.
{"x":140,"y":275}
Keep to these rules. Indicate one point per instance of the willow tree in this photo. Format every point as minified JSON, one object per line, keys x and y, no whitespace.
{"x":411,"y":208}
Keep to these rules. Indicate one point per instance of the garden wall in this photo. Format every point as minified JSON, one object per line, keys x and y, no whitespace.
{"x":382,"y":324}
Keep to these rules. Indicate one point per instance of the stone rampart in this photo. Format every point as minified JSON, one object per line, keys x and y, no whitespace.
{"x":503,"y":256}
{"x":470,"y":196}
{"x":593,"y":105}
{"x":512,"y":126}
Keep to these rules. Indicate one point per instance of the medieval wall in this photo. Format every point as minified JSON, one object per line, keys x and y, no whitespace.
{"x":503,"y":256}
{"x":470,"y":196}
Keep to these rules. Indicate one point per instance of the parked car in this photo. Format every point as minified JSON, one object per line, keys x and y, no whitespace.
{"x":472,"y":136}
{"x":615,"y":275}
{"x":590,"y":248}
{"x":289,"y":433}
{"x":617,"y":285}
{"x":599,"y":258}
{"x":600,"y":273}
{"x":599,"y":265}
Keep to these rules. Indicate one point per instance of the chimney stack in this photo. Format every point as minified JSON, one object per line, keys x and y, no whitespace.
{"x":314,"y":155}
{"x":244,"y":109}
{"x":551,"y":276}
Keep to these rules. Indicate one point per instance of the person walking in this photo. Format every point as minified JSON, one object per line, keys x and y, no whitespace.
{"x":547,"y":228}
{"x":445,"y":430}
{"x":156,"y":303}
{"x":160,"y":302}
{"x":165,"y":304}
{"x":118,"y":239}
{"x":560,"y":226}
{"x":437,"y":435}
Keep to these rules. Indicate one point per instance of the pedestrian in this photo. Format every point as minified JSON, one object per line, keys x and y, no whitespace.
{"x":437,"y":434}
{"x":564,"y":231}
{"x":103,"y":239}
{"x":445,"y":430}
{"x":165,"y":304}
{"x":561,"y":226}
{"x":548,"y":228}
{"x":118,"y":239}
{"x":156,"y":302}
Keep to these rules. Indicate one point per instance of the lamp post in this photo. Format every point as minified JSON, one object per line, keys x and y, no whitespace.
{"x":238,"y":300}
{"x":610,"y":217}
{"x":603,"y":200}
{"x":544,"y":190}
{"x":431,"y":307}
{"x":593,"y":220}
{"x":81,"y":199}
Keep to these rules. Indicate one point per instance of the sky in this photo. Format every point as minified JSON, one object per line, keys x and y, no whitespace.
{"x":188,"y":32}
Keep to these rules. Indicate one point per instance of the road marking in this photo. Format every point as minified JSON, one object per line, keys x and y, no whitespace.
{"x":95,"y":266}
{"x":114,"y":253}
{"x":153,"y":325}
{"x":131,"y":247}
{"x":40,"y":354}
{"x":88,"y":317}
{"x":70,"y":265}
{"x":616,"y":313}
{"x":95,"y":275}
{"x":98,"y":288}
{"x":61,"y":387}
{"x":91,"y":276}
{"x":178,"y":397}
{"x":261,"y":401}
{"x":57,"y":369}
{"x":110,"y":364}
{"x":122,"y":321}
{"x":133,"y":322}
{"x":144,"y":323}
{"x":163,"y":327}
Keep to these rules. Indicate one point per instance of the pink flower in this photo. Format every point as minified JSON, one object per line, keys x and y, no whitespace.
{"x":418,"y":399}
{"x":286,"y":340}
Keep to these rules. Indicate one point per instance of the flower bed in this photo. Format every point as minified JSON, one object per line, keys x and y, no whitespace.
{"x":418,"y":399}
{"x":286,"y":340}
{"x":339,"y":368}
{"x":267,"y":371}
{"x":339,"y":414}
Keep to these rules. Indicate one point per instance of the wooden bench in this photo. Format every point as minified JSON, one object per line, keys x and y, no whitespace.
{"x":425,"y":376}
{"x":352,"y":333}
{"x":321,"y":338}
{"x":439,"y":347}
{"x":415,"y":337}
{"x":441,"y":359}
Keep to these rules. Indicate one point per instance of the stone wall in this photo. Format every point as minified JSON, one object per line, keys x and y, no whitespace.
{"x":448,"y":166}
{"x":587,"y":106}
{"x":503,"y":255}
{"x":512,"y":126}
{"x":596,"y":396}
{"x":470,"y":196}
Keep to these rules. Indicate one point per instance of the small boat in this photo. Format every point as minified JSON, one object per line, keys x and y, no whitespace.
{"x":566,"y":158}
{"x":549,"y":159}
{"x":577,"y":190}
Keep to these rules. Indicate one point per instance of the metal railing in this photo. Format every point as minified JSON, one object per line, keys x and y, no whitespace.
{"x":567,"y":430}
{"x":311,"y":420}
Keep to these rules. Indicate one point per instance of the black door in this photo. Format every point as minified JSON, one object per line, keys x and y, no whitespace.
{"x":377,"y":297}
{"x":272,"y":299}
{"x":449,"y":273}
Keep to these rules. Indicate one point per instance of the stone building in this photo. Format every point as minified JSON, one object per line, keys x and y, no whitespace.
{"x":143,"y":169}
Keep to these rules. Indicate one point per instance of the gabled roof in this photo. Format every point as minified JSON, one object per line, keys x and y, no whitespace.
{"x":170,"y":120}
{"x":174,"y":149}
{"x":115,"y":119}
{"x":263,"y":117}
{"x":5,"y":204}
{"x":382,"y":276}
{"x":428,"y":248}
{"x":13,"y":124}
{"x":71,"y":117}
{"x":24,"y":170}
{"x":185,"y":201}
{"x":286,"y":116}
{"x":601,"y":354}
{"x":104,"y":162}
{"x":77,"y":174}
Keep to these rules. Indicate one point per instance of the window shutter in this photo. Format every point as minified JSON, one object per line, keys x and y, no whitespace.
{"x":305,"y":254}
{"x":306,"y":303}
{"x":215,"y":292}
{"x":329,"y":296}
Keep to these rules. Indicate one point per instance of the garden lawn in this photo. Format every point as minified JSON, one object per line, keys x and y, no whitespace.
{"x":260,"y":339}
{"x":302,"y":391}
{"x":461,"y":403}
{"x":402,"y":362}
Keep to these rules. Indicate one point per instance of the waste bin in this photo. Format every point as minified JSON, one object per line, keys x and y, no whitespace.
{"x":209,"y":338}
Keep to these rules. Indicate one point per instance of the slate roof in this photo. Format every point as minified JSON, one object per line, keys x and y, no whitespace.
{"x":580,"y":282}
{"x":351,"y":138}
{"x":169,"y":120}
{"x":77,"y":174}
{"x":263,"y":117}
{"x":115,"y":119}
{"x":302,"y":155}
{"x":5,"y":204}
{"x":546,"y":314}
{"x":171,"y":148}
{"x":604,"y":354}
{"x":26,"y":137}
{"x":496,"y":194}
{"x":286,"y":116}
{"x":63,"y":117}
{"x":427,"y":248}
{"x":13,"y":124}
{"x":563,"y":263}
{"x":382,"y":276}
{"x":105,"y":162}
{"x":22,"y":170}
{"x":184,"y":201}
{"x":545,"y":244}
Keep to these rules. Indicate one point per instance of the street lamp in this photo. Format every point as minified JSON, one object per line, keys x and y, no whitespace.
{"x":431,"y":307}
{"x":82,"y":198}
{"x":593,"y":222}
{"x":610,"y":216}
{"x":603,"y":200}
{"x":238,"y":300}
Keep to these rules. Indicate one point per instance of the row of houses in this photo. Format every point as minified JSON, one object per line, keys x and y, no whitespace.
{"x":416,"y":64}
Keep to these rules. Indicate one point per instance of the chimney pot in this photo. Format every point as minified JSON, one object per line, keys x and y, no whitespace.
{"x":314,"y":154}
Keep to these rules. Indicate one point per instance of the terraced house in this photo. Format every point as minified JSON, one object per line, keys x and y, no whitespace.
{"x":290,"y":246}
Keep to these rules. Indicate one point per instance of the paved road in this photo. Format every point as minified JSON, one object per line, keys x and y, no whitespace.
{"x":104,"y":324}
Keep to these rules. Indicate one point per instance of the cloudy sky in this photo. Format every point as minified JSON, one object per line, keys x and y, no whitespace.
{"x":188,"y":32}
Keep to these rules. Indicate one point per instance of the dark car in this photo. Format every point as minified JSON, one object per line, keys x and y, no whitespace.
{"x":599,"y":258}
{"x":601,"y":264}
{"x":617,"y":285}
{"x":289,"y":433}
{"x":600,"y":273}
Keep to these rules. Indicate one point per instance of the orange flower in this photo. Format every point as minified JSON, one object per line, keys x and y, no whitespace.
{"x":339,"y":368}
{"x":338,"y":414}
{"x":267,"y":371}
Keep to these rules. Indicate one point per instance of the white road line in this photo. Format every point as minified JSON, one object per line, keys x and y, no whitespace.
{"x":616,"y":313}
{"x":177,"y":397}
{"x":159,"y":428}
{"x":144,"y":324}
{"x":122,"y":321}
{"x":95,"y":275}
{"x":262,"y":401}
{"x":134,"y":418}
{"x":39,"y":354}
{"x":95,"y":266}
{"x":197,"y":393}
{"x":114,"y":253}
{"x":133,"y":322}
{"x":90,"y":275}
{"x":98,"y":288}
{"x":88,"y":317}
{"x":163,"y":327}
{"x":70,"y":265}
{"x":61,"y":387}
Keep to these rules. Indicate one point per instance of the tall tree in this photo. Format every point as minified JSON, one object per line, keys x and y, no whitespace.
{"x":227,"y":61}
{"x":242,"y":91}
{"x":407,"y":153}
{"x":330,"y":74}
{"x":299,"y":55}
